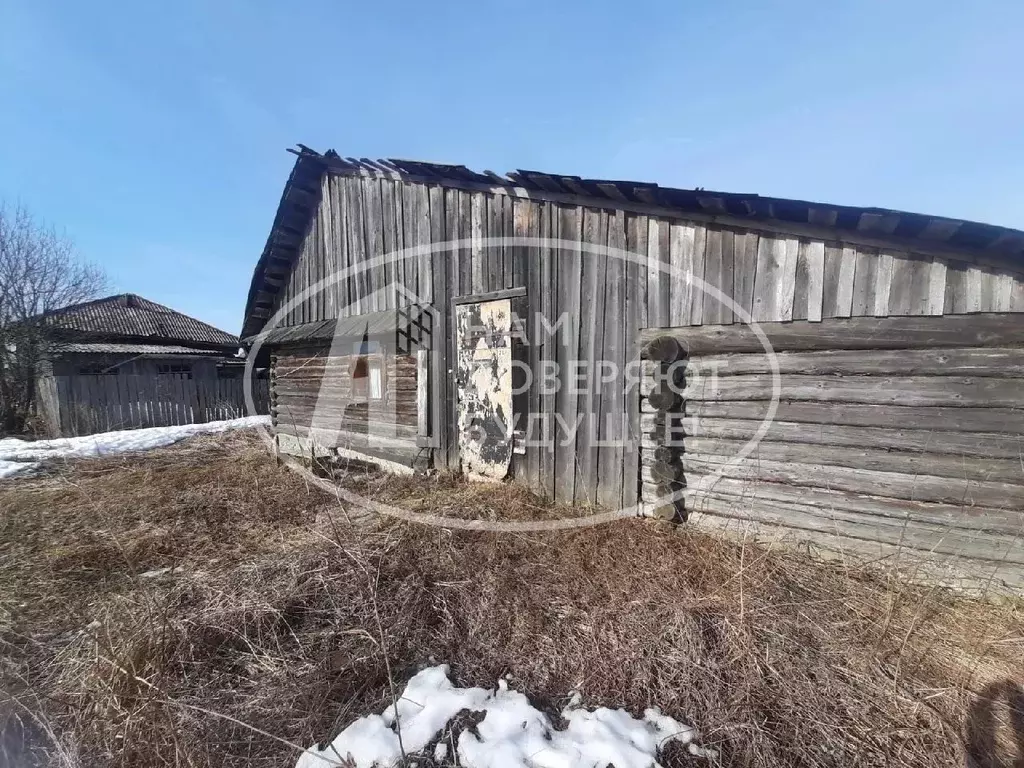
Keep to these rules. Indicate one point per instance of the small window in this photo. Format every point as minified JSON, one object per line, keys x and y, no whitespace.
{"x":178,"y":368}
{"x":368,"y":372}
{"x":97,"y":369}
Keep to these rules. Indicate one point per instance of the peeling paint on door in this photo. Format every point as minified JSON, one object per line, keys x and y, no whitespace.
{"x":483,"y":383}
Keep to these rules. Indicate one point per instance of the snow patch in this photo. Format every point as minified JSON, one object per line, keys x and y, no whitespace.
{"x":21,"y":457}
{"x":512,"y":734}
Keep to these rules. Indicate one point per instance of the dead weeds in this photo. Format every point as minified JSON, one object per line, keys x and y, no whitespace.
{"x":201,"y":606}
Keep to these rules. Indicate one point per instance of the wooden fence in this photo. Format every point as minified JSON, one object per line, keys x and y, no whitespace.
{"x":84,"y":405}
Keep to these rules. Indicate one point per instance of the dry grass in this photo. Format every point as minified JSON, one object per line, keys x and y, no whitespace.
{"x":281,"y":622}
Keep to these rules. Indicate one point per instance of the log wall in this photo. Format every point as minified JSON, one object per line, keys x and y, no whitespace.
{"x":313,"y":402}
{"x":885,"y":453}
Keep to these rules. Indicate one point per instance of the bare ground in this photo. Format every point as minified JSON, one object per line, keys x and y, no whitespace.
{"x":280,"y":621}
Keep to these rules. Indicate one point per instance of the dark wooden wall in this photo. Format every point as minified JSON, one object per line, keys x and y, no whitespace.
{"x":312,"y":399}
{"x":772,"y":274}
{"x":87,"y":404}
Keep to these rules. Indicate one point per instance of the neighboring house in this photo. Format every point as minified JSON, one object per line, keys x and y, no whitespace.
{"x":123,"y":361}
{"x":900,"y":410}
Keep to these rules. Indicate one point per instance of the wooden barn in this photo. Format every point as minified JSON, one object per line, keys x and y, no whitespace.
{"x":123,"y":362}
{"x":399,"y":313}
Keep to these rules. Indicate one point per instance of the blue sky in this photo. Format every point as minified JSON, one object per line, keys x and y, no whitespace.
{"x":155,"y":133}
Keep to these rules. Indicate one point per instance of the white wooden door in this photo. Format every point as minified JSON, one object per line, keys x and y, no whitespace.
{"x":483,"y":385}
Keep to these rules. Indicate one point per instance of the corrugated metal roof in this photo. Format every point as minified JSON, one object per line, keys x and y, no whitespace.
{"x":129,"y":349}
{"x":128,"y":316}
{"x":301,"y":196}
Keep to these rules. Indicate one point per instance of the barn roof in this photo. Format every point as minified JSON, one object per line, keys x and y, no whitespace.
{"x":128,"y":317}
{"x":301,"y":196}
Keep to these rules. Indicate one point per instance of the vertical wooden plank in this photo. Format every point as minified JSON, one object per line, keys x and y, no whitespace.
{"x":339,"y":241}
{"x":745,"y":275}
{"x":1002,"y":300}
{"x":399,"y":267}
{"x":388,"y":242}
{"x":130,"y":399}
{"x":769,"y":276}
{"x":113,"y":396}
{"x":973,"y":289}
{"x":446,"y":287}
{"x":986,"y":301}
{"x":150,"y":395}
{"x":901,"y":278}
{"x":528,"y":225}
{"x":374,"y":242}
{"x":410,"y":234}
{"x":113,"y":401}
{"x":955,"y":299}
{"x":123,"y":402}
{"x":936,"y":286}
{"x":787,"y":280}
{"x":138,"y":412}
{"x":635,"y":305}
{"x":410,"y":265}
{"x":327,"y":234}
{"x":508,"y":231}
{"x":477,"y":213}
{"x":464,"y":223}
{"x":1017,"y":294}
{"x":156,"y":395}
{"x":305,"y":259}
{"x":654,"y":275}
{"x":356,"y":244}
{"x":199,"y":383}
{"x":802,"y":282}
{"x":830,"y":289}
{"x":864,"y":281}
{"x":310,"y":252}
{"x":422,"y":393}
{"x":521,"y":222}
{"x":79,"y":404}
{"x":424,"y":284}
{"x":549,"y":222}
{"x":816,"y":280}
{"x":681,"y":246}
{"x":883,"y":284}
{"x":920,"y":285}
{"x":182,"y":398}
{"x":520,"y":219}
{"x":637,"y":231}
{"x":167,"y":398}
{"x":568,"y":278}
{"x":718,"y":274}
{"x":612,"y":410}
{"x":595,"y":231}
{"x":726,"y":313}
{"x":495,"y":254}
{"x":700,"y":239}
{"x":315,"y":237}
{"x":845,"y":288}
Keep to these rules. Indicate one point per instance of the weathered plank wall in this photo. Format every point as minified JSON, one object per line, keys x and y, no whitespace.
{"x":87,"y":404}
{"x":312,"y":398}
{"x":872,"y":451}
{"x":606,"y":301}
{"x":770,"y":275}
